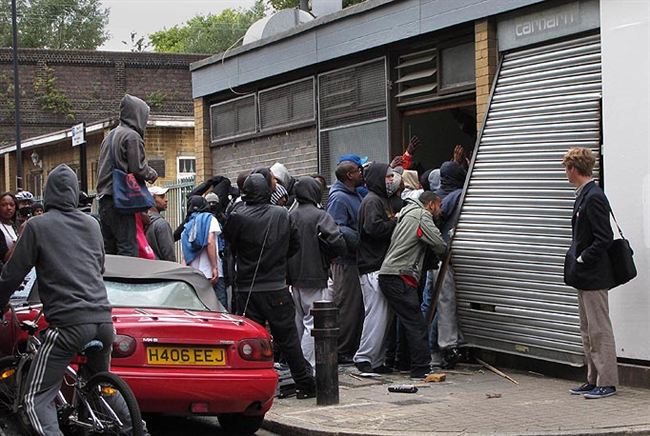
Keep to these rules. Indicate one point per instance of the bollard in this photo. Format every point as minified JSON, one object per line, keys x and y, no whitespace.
{"x":326,"y":333}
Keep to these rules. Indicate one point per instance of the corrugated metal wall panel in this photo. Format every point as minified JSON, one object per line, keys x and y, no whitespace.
{"x":515,"y":224}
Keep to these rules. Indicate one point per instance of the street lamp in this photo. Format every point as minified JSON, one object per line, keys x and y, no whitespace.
{"x":19,"y":154}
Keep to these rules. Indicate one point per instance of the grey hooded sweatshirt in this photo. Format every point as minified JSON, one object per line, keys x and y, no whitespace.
{"x":126,"y":142}
{"x":66,"y":247}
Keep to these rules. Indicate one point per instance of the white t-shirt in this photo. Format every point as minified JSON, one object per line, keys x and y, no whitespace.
{"x":202,"y":261}
{"x":9,"y":234}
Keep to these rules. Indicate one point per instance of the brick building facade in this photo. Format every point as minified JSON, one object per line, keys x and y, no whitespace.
{"x":61,"y":88}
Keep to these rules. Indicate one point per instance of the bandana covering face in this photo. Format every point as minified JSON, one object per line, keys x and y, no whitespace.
{"x":393,"y":186}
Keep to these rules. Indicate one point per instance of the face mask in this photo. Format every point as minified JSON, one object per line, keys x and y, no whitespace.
{"x":393,"y":186}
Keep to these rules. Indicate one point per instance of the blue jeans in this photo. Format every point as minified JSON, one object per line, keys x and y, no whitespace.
{"x":424,"y":308}
{"x":220,"y":290}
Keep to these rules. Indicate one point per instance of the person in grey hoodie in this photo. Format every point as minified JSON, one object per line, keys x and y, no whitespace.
{"x":66,"y":248}
{"x":320,"y":241}
{"x":123,"y":148}
{"x":159,"y":232}
{"x":401,"y":271}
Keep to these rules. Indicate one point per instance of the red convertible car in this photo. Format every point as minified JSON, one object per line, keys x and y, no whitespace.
{"x":176,"y":346}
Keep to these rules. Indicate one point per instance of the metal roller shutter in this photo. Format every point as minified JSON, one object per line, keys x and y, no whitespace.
{"x":515,"y":224}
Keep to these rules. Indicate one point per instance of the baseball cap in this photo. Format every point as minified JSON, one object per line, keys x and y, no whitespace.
{"x":211,"y":197}
{"x":158,"y":190}
{"x":353,"y":158}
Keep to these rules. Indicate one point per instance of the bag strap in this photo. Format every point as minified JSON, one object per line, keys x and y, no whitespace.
{"x":620,"y":232}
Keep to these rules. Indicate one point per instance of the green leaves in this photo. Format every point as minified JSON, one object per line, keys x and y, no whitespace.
{"x":208,"y":34}
{"x":56,"y":24}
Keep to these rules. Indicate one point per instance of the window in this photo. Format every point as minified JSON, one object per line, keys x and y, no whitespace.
{"x":287,"y":105}
{"x":36,"y":184}
{"x":352,"y":114}
{"x":186,"y":167}
{"x":458,"y":68}
{"x":233,"y":118}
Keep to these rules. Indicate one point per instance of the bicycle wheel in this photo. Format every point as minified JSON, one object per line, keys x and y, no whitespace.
{"x":110,"y":397}
{"x":8,"y":384}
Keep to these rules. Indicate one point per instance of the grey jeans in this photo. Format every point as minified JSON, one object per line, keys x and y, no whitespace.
{"x":59,"y":346}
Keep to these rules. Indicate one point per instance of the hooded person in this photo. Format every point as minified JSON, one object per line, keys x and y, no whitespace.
{"x":402,"y":269}
{"x":123,"y":149}
{"x":320,"y":241}
{"x":65,"y":247}
{"x":412,"y":187}
{"x":376,"y":225}
{"x":284,"y":178}
{"x":262,"y":237}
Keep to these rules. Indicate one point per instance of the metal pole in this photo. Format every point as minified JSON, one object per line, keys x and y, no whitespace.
{"x":326,"y":333}
{"x":19,"y":152}
{"x":83,"y":165}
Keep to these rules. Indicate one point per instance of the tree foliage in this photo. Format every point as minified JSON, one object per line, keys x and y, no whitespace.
{"x":285,"y":4}
{"x":55,"y":24}
{"x":208,"y":34}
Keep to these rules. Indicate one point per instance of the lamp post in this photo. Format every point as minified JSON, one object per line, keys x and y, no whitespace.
{"x":19,"y":154}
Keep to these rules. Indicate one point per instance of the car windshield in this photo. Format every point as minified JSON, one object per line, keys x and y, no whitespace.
{"x":162,"y":294}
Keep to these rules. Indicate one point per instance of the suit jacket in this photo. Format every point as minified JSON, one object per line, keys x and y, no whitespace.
{"x":592,"y":236}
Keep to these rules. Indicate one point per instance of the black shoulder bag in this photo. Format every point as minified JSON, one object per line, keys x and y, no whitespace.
{"x":621,"y":257}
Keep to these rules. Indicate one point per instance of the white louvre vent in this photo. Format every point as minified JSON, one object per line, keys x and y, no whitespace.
{"x":287,"y":105}
{"x":417,"y":76}
{"x":233,"y":118}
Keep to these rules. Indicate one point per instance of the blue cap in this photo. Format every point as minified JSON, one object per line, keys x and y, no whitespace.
{"x":353,"y":158}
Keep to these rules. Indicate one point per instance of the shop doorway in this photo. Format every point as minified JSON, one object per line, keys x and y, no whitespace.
{"x":440,"y":129}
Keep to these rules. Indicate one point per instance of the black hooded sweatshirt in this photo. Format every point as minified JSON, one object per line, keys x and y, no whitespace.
{"x":375,"y":220}
{"x":319,"y":236}
{"x":66,"y":247}
{"x":259,"y":227}
{"x":127,"y":146}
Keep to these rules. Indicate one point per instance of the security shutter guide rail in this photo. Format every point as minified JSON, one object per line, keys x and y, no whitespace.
{"x":515,"y":222}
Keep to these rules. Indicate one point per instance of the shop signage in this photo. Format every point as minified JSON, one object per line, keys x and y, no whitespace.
{"x":540,"y":24}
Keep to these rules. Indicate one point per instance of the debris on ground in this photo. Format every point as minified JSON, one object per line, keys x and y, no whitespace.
{"x":497,"y":371}
{"x":436,"y":377}
{"x":404,"y":389}
{"x":493,"y":395}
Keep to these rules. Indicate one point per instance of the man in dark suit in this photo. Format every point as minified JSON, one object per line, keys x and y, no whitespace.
{"x":587,"y":268}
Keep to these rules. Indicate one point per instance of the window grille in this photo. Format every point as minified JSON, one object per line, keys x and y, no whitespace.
{"x":352,"y":95}
{"x":233,"y":118}
{"x":287,"y":105}
{"x":352,"y":114}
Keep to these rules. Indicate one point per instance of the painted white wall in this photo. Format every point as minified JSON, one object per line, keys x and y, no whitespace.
{"x":625,"y":34}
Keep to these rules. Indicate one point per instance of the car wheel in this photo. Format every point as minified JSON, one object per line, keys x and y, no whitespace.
{"x":240,"y":424}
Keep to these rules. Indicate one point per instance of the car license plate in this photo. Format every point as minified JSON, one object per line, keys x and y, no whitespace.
{"x":193,"y":356}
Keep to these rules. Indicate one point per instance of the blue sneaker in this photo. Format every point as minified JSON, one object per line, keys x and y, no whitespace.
{"x":601,"y":392}
{"x":582,"y":389}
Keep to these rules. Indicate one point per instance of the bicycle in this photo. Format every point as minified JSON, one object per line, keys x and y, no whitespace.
{"x":95,"y":405}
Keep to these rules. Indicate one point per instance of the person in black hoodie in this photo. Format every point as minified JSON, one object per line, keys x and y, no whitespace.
{"x":65,"y":245}
{"x":376,"y":224}
{"x":262,"y":238}
{"x":123,"y":149}
{"x":320,"y":241}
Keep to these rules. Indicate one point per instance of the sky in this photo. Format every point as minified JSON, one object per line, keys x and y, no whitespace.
{"x":148,"y":16}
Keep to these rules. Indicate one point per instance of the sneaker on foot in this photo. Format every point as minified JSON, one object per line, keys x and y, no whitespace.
{"x":419,"y":373}
{"x":383,"y":369}
{"x":364,"y":366}
{"x":601,"y":392}
{"x":582,"y":389}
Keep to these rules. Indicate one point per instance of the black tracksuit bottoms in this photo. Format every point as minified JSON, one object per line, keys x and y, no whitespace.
{"x":404,"y":301}
{"x":278,"y":309}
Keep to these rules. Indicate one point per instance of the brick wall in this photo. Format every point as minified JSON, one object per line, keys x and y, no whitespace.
{"x":486,"y":65}
{"x":202,"y":140}
{"x":296,"y":149}
{"x":160,"y":143}
{"x":93,"y":82}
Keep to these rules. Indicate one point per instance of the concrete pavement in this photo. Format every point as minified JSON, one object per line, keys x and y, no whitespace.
{"x":471,"y":401}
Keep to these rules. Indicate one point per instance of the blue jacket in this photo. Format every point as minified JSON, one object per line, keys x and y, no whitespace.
{"x":343,"y":205}
{"x":194,"y":240}
{"x":450,"y":212}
